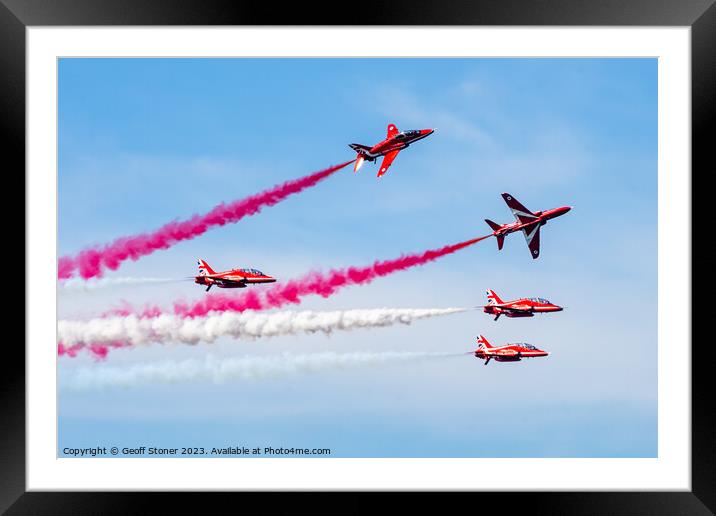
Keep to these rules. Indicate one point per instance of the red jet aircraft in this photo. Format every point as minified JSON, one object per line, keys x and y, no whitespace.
{"x":235,"y":278}
{"x":529,"y":223}
{"x":523,"y":307}
{"x":506,"y":353}
{"x":390,"y":147}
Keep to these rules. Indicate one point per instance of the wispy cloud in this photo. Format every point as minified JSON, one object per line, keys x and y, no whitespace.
{"x":394,"y":101}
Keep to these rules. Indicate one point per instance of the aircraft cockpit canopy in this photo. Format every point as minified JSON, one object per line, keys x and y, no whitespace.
{"x":253,"y":271}
{"x":540,"y":300}
{"x":411,"y":132}
{"x":525,"y":345}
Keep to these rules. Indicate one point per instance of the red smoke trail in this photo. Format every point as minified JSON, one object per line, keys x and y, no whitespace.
{"x":92,"y":262}
{"x":290,"y":292}
{"x":99,"y":351}
{"x":324,"y":285}
{"x":127,"y":309}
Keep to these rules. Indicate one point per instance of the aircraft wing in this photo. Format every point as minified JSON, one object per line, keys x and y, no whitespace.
{"x":387,"y":161}
{"x":532,"y":237}
{"x":506,"y":308}
{"x":515,"y":309}
{"x":227,"y":279}
{"x":522,"y":214}
{"x":234,"y":278}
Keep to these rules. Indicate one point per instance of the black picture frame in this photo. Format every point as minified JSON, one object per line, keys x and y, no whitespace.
{"x":700,"y":15}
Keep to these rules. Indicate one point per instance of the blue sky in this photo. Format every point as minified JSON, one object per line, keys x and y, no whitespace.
{"x":145,"y":141}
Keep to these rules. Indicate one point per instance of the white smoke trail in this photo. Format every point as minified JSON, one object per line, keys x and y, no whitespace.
{"x":237,"y":368}
{"x":246,"y":325}
{"x":82,"y":285}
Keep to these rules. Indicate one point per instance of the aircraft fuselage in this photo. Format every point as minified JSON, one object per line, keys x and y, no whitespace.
{"x":395,"y":143}
{"x":398,"y":142}
{"x":541,"y":220}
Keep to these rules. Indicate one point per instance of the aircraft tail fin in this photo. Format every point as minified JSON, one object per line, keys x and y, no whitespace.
{"x":359,"y":147}
{"x":493,"y":298}
{"x":361,"y":154}
{"x":483,"y":342}
{"x":204,"y":268}
{"x":494,"y":226}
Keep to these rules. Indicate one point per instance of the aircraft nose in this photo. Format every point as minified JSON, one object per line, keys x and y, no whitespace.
{"x":560,"y":211}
